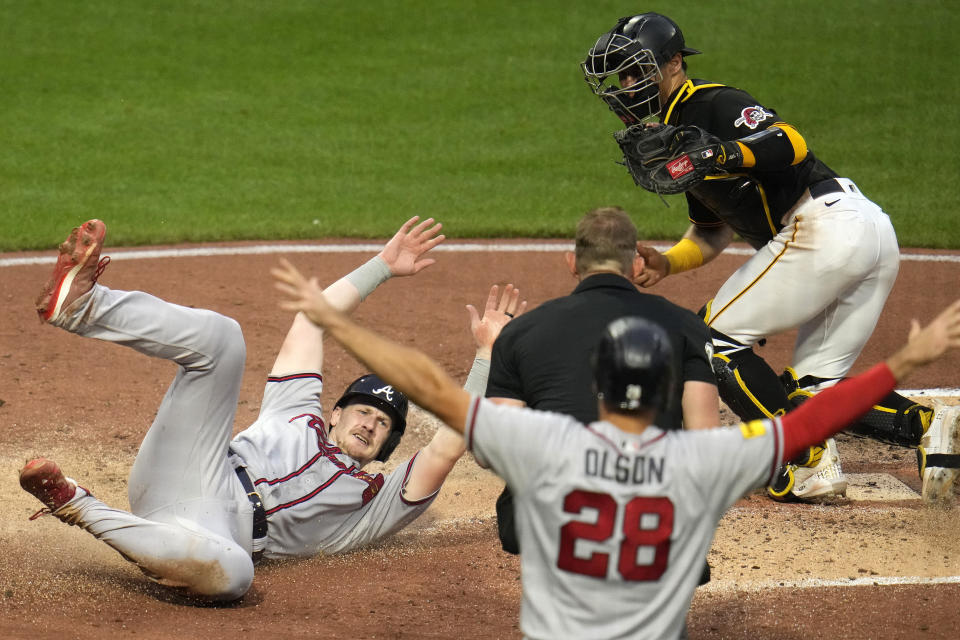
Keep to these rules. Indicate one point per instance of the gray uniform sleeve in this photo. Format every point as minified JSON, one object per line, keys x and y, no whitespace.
{"x":502,"y":437}
{"x":292,"y":394}
{"x":728,"y":462}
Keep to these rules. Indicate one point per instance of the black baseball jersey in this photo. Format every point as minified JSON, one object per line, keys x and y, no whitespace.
{"x":751,"y":201}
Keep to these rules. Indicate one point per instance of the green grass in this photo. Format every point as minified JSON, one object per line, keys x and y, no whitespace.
{"x":215,"y":120}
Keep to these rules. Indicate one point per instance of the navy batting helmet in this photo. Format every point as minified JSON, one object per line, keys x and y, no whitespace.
{"x":633,"y":366}
{"x":372,"y":390}
{"x":641,"y":44}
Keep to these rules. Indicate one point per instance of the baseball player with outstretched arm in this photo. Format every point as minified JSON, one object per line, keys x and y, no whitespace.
{"x":826,"y":255}
{"x":203,"y":508}
{"x":616,"y":516}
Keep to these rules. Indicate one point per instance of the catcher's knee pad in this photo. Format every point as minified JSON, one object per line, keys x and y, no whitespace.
{"x":745,"y":381}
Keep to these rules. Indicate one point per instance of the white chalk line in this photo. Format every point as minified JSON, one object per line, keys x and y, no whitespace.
{"x":819,"y":583}
{"x":718,"y":585}
{"x":462,"y":247}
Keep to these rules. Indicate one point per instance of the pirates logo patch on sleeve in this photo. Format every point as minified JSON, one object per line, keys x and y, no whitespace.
{"x":751,"y":117}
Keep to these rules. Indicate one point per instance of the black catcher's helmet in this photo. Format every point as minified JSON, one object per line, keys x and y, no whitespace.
{"x":633,"y":366}
{"x":645,"y":41}
{"x":370,"y":389}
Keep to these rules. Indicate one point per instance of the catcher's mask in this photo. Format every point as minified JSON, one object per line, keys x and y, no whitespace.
{"x":646,"y":42}
{"x":633,"y":366}
{"x":371,"y":390}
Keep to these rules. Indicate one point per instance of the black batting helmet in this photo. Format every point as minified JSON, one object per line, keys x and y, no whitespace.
{"x":645,"y":41}
{"x":372,"y":390}
{"x":633,"y":366}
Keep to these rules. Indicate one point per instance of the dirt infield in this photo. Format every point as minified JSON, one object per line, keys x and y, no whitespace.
{"x":877,"y":564}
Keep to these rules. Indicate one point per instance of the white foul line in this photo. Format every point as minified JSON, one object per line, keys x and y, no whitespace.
{"x":464,"y":247}
{"x":811,"y":583}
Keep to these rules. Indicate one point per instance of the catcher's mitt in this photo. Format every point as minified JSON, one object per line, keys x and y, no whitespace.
{"x":666,"y":159}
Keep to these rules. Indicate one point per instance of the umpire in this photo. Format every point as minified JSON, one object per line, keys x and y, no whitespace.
{"x":542,"y":359}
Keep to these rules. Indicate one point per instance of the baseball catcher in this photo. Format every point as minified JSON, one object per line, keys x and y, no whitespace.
{"x":826,"y":255}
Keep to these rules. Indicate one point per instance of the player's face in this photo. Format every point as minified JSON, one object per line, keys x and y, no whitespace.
{"x":359,"y":430}
{"x":629,"y":77}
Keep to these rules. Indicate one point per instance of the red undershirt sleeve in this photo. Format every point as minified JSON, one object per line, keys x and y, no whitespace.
{"x":834,"y":409}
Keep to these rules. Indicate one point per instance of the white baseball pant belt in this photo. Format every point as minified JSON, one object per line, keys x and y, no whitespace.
{"x":259,"y":513}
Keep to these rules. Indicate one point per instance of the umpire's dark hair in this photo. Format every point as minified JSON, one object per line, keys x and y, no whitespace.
{"x":605,"y":237}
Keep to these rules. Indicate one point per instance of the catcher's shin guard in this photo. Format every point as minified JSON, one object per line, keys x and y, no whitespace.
{"x":753,"y":391}
{"x":895,"y":420}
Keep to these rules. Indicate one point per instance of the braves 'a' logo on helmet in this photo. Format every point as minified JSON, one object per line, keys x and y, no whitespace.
{"x":751,"y":117}
{"x":387,"y":392}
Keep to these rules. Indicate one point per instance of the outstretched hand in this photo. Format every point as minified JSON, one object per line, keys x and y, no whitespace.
{"x":655,"y":266}
{"x":926,"y":344}
{"x":302,"y":295}
{"x":403,"y":253}
{"x":498,"y":311}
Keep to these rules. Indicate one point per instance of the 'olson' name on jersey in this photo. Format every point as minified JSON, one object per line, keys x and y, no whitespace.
{"x":623,"y":469}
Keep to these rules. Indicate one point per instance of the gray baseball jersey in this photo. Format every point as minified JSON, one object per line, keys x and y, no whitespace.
{"x":614,"y":526}
{"x":316,"y":497}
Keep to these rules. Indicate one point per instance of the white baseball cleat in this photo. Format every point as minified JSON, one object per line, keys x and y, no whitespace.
{"x":938,"y":455}
{"x":824,"y":480}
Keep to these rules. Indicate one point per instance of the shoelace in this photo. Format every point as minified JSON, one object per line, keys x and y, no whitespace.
{"x":104,"y":261}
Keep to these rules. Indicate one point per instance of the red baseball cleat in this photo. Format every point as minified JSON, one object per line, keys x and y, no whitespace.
{"x":46,"y":482}
{"x":78,"y":267}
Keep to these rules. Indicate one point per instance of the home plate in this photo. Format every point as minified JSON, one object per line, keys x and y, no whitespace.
{"x":877,"y":486}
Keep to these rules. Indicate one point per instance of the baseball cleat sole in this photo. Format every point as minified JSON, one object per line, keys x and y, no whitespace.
{"x":77,"y":269}
{"x":940,"y":456}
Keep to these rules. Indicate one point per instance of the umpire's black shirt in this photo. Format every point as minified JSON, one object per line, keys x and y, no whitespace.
{"x":543,"y":356}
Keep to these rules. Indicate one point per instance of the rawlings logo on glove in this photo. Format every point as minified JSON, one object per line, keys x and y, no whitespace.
{"x":665,"y":159}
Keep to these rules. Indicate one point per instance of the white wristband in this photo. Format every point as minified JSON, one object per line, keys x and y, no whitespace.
{"x":369,"y":276}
